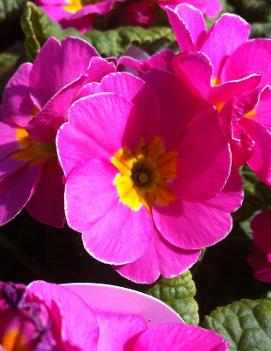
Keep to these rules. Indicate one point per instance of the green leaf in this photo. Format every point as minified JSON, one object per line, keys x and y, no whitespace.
{"x":246,"y":324}
{"x":116,"y":42}
{"x":179,"y":294}
{"x":9,"y":8}
{"x":37,"y":28}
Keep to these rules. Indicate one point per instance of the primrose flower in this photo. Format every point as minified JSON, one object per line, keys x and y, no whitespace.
{"x":52,"y":318}
{"x":75,"y":13}
{"x":229,"y":68}
{"x":146,"y":172}
{"x":35,"y":104}
{"x":260,"y":258}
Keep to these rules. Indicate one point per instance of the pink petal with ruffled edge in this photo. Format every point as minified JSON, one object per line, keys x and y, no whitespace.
{"x":17,"y":106}
{"x":195,"y":225}
{"x":210,"y":8}
{"x":79,"y":326}
{"x":178,"y":337}
{"x":48,"y":206}
{"x":160,"y":258}
{"x":251,"y":57}
{"x":221,"y":43}
{"x":58,"y":64}
{"x":46,"y":123}
{"x":194,"y":21}
{"x":188,"y":25}
{"x":112,"y":232}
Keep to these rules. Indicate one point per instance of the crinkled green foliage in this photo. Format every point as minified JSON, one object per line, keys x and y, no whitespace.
{"x":38,"y":27}
{"x":115,"y":42}
{"x":179,"y":294}
{"x":246,"y":324}
{"x":9,"y":8}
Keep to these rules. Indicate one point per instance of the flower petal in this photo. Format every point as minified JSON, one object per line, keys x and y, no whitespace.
{"x":112,"y":232}
{"x":195,"y":225}
{"x":178,"y":337}
{"x":160,"y":258}
{"x":17,"y":106}
{"x":58,"y":64}
{"x":221,"y":43}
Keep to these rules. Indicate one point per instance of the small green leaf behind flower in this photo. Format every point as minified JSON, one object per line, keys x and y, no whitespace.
{"x":179,"y":294}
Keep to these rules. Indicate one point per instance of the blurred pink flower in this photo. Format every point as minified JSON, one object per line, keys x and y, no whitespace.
{"x":146,"y":172}
{"x":260,"y":258}
{"x":35,"y":104}
{"x":76,"y":13}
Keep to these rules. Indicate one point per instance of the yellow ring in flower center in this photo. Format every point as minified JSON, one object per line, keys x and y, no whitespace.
{"x":145,"y":175}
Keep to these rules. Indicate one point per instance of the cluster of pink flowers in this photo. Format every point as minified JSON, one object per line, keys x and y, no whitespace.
{"x":140,"y":155}
{"x":49,"y":317}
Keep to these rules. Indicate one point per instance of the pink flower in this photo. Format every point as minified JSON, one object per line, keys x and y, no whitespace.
{"x":35,"y":104}
{"x":44,"y":316}
{"x":146,"y":170}
{"x":260,"y":258}
{"x":48,"y":318}
{"x":75,"y":13}
{"x":223,"y":66}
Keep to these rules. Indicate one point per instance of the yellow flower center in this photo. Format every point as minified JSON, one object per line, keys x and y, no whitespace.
{"x":32,"y":150}
{"x":145,"y":175}
{"x":73,"y":6}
